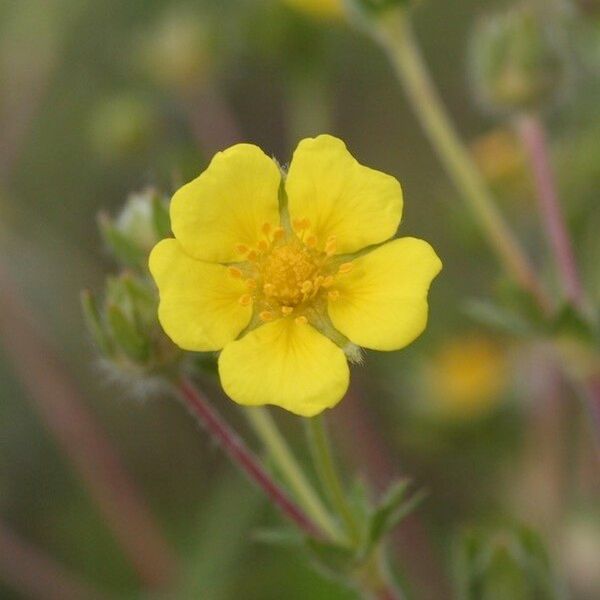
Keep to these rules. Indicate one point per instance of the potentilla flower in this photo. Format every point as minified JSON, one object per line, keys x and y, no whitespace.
{"x":283,"y":272}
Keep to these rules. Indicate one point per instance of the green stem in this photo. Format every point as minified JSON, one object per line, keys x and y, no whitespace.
{"x":394,"y":34}
{"x":286,"y":463}
{"x":330,"y":480}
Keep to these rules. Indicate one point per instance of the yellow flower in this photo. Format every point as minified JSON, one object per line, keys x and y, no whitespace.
{"x":319,"y":8}
{"x":466,"y":377}
{"x":282,"y":275}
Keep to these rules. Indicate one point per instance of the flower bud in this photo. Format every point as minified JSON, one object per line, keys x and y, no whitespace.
{"x":122,"y":126}
{"x":177,"y":53}
{"x":143,"y":221}
{"x":504,"y":562}
{"x":515,"y":64}
{"x":125,"y":327}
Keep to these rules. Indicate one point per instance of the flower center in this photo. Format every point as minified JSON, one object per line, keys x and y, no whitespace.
{"x":287,"y":275}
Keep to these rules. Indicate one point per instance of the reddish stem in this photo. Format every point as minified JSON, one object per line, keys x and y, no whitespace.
{"x":242,"y":456}
{"x":533,"y":136}
{"x":57,"y":400}
{"x":35,"y":575}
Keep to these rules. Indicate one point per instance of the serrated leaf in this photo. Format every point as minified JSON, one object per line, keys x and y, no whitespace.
{"x":94,"y":323}
{"x":124,"y":332}
{"x":123,"y":249}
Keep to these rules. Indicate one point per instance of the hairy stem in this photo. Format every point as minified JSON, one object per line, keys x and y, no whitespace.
{"x":534,"y":139}
{"x":396,"y":38}
{"x":330,"y":481}
{"x":242,"y":456}
{"x":288,"y":466}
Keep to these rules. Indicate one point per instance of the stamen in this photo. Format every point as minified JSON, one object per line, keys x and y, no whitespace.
{"x":287,"y":310}
{"x":242,"y":248}
{"x":278,"y":233}
{"x":328,"y":281}
{"x":245,"y":300}
{"x":266,"y":228}
{"x":333,"y":294}
{"x":330,"y":245}
{"x":263,"y":245}
{"x":234,"y":272}
{"x":266,"y":315}
{"x":311,"y":241}
{"x":251,"y":284}
{"x":307,"y":286}
{"x":301,"y":320}
{"x":345,"y":268}
{"x":252,"y":255}
{"x":268,"y":289}
{"x":301,"y":224}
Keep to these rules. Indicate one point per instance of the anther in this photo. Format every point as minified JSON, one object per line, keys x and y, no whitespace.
{"x":242,"y":248}
{"x":306,"y":287}
{"x":245,"y":300}
{"x":301,"y":320}
{"x":278,"y":233}
{"x":287,"y":310}
{"x":300,"y":224}
{"x":266,"y":228}
{"x":345,"y":268}
{"x":330,"y":245}
{"x":252,"y":255}
{"x":268,"y":289}
{"x":311,"y":241}
{"x":262,"y":245}
{"x":266,"y":315}
{"x":333,"y":294}
{"x":234,"y":272}
{"x":251,"y":284}
{"x":328,"y":281}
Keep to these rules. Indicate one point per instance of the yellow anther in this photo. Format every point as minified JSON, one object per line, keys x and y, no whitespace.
{"x":268,"y":289}
{"x":234,"y":272}
{"x":252,"y":255}
{"x":319,"y":280}
{"x":311,"y":241}
{"x":242,"y":248}
{"x":287,"y":310}
{"x":345,"y":268}
{"x":300,"y":224}
{"x":251,"y":284}
{"x":278,"y":233}
{"x":266,"y":228}
{"x":266,"y":315}
{"x":301,"y":320}
{"x":328,"y":281}
{"x":245,"y":300}
{"x":306,"y":287}
{"x":333,"y":294}
{"x":330,"y":245}
{"x":263,"y":245}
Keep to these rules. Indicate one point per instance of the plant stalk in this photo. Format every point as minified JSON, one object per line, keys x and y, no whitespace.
{"x":242,"y":456}
{"x":281,"y":455}
{"x":395,"y":36}
{"x":534,"y":139}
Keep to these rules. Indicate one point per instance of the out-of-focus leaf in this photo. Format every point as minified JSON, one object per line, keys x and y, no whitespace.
{"x":332,"y":560}
{"x":491,"y":315}
{"x":160,"y":216}
{"x":124,"y":250}
{"x":124,"y":332}
{"x":94,"y":324}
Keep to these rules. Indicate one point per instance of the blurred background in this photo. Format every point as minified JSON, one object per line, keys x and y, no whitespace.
{"x":102,"y":99}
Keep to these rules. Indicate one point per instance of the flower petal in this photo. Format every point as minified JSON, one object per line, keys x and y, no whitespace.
{"x":199,"y":308}
{"x":228,"y":204}
{"x":285,"y":363}
{"x":383,"y":300}
{"x":340,"y":197}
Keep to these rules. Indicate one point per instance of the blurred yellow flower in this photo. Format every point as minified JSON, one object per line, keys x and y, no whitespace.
{"x":319,"y":8}
{"x":466,"y":377}
{"x":284,"y":276}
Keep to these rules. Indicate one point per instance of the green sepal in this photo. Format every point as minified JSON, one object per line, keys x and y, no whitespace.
{"x":160,"y":216}
{"x":127,"y":336}
{"x":122,"y":248}
{"x":94,"y":323}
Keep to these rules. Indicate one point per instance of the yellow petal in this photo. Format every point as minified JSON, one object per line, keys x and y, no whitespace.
{"x":285,"y":363}
{"x":341,"y":199}
{"x":228,"y":204}
{"x":383,"y":300}
{"x":199,"y":302}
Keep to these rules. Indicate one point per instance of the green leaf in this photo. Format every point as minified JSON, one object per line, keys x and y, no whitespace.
{"x":125,"y":333}
{"x":284,"y":538}
{"x":94,"y":323}
{"x":570,"y":322}
{"x":332,"y":560}
{"x":496,"y":317}
{"x":392,"y":509}
{"x":123,"y":249}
